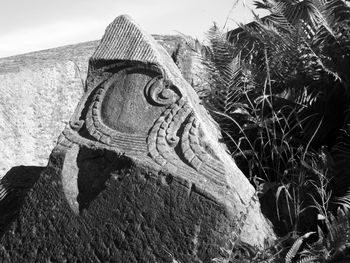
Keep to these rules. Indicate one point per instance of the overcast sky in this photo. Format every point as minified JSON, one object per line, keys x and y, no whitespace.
{"x":30,"y":25}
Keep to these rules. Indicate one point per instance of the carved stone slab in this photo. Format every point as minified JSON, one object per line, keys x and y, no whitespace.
{"x":40,"y":90}
{"x":139,"y":174}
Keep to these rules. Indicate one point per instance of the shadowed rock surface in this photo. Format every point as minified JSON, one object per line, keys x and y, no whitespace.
{"x":139,"y":174}
{"x":23,"y":178}
{"x":39,"y":92}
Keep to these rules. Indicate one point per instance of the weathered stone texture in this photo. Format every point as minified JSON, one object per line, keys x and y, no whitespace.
{"x":39,"y":92}
{"x":140,"y":216}
{"x":139,"y":174}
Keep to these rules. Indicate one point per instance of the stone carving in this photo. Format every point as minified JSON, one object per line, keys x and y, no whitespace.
{"x":178,"y":127}
{"x":175,"y":137}
{"x":138,"y":105}
{"x":141,"y":168}
{"x":39,"y":92}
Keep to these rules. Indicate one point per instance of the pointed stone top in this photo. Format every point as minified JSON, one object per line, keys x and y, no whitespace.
{"x":125,"y":40}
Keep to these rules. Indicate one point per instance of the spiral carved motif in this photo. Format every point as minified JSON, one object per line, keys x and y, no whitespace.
{"x":160,"y":93}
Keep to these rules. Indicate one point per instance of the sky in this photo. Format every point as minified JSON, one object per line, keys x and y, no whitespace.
{"x":33,"y":25}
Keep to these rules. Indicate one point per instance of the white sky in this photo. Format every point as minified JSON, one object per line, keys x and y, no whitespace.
{"x":30,"y":25}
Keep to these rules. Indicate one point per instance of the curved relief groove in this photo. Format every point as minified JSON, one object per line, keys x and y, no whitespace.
{"x":195,"y":154}
{"x":159,"y":92}
{"x":156,"y":90}
{"x":190,"y":145}
{"x":164,"y":137}
{"x":174,"y":138}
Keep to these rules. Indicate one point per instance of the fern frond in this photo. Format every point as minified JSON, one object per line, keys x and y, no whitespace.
{"x":339,"y":227}
{"x":343,"y":201}
{"x":295,"y":247}
{"x":294,"y":250}
{"x":340,"y":252}
{"x":308,"y":259}
{"x":262,"y":5}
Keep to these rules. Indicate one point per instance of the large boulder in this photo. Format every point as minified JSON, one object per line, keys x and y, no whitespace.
{"x":39,"y":92}
{"x":138,"y":175}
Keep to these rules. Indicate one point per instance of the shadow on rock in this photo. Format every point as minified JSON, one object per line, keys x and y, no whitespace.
{"x":14,"y":186}
{"x":95,"y":168}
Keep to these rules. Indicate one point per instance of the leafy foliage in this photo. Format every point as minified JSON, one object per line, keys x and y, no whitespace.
{"x":331,"y":246}
{"x":279,"y":89}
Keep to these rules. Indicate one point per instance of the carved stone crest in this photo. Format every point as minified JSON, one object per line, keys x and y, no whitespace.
{"x":138,"y":172}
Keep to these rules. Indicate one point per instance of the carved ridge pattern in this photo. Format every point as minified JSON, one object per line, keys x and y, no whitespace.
{"x":163,"y":139}
{"x":195,"y":154}
{"x":177,"y":123}
{"x":103,"y":133}
{"x":64,"y":140}
{"x":191,"y":148}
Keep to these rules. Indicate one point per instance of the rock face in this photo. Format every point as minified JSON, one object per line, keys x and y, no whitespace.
{"x":138,"y":175}
{"x":39,"y":92}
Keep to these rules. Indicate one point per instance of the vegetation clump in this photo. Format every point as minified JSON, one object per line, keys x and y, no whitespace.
{"x":279,"y":89}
